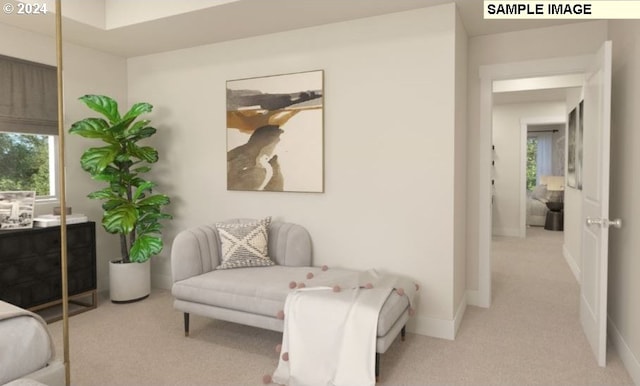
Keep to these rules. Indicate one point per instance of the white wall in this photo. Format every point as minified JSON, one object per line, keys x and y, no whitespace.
{"x":388,"y":144}
{"x":509,"y":159}
{"x":84,"y":71}
{"x":536,"y":44}
{"x":460,"y":170}
{"x":624,"y":243}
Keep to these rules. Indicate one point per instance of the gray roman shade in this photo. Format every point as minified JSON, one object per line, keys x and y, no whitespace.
{"x":28,"y":97}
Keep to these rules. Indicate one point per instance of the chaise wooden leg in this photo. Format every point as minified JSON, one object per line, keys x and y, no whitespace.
{"x":377,"y":367}
{"x":403,"y":333}
{"x":186,"y":324}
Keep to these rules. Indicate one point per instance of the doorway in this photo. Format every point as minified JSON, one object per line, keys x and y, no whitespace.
{"x":592,"y":221}
{"x":499,"y":76}
{"x":544,"y":175}
{"x":528,"y":149}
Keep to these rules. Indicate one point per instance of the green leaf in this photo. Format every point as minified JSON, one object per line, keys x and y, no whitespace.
{"x":103,"y":194}
{"x":118,"y":129}
{"x":146,"y":153}
{"x":136,"y":181}
{"x":109,"y":174}
{"x":150,"y":217}
{"x":141,"y":169}
{"x":92,"y":128}
{"x":118,"y":188}
{"x":136,"y":127}
{"x":104,"y":105}
{"x":144,"y":187}
{"x":112,"y":204}
{"x":155,"y":200}
{"x":121,"y":219}
{"x":124,"y":159}
{"x":96,"y":159}
{"x":145,"y":228}
{"x":137,"y":109}
{"x":145,"y":132}
{"x":144,"y":247}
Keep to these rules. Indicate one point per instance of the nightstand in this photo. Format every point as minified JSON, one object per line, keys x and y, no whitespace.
{"x":555,"y":216}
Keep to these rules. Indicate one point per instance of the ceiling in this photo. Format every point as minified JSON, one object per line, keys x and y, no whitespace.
{"x":223,"y":21}
{"x":531,"y":96}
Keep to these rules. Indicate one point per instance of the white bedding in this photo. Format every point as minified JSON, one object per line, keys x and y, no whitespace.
{"x":330,"y":337}
{"x":536,"y":211}
{"x":25,"y":343}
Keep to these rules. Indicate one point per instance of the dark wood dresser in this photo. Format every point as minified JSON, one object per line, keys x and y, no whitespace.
{"x":30,"y":275}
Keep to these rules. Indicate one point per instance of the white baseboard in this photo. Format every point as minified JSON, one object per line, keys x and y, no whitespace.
{"x":457,"y":319}
{"x":161,"y":272}
{"x":571,"y":262}
{"x":473,"y":299}
{"x":436,"y":328}
{"x":103,"y":294}
{"x":439,"y":328}
{"x":630,"y":361}
{"x":161,"y":281}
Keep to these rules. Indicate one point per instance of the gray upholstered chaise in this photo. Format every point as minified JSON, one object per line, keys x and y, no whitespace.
{"x":253,"y":296}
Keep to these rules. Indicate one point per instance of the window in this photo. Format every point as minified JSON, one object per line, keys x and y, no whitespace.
{"x":28,"y":126}
{"x":539,"y":157}
{"x":27,"y":162}
{"x":532,"y":163}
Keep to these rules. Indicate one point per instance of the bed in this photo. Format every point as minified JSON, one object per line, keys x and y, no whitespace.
{"x":537,"y":206}
{"x":550,"y":188}
{"x":27,"y":352}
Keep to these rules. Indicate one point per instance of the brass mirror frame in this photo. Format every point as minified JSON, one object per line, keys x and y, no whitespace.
{"x":63,"y":198}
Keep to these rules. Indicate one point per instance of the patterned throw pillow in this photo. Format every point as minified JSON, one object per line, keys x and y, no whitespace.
{"x":244,"y":245}
{"x":540,"y":193}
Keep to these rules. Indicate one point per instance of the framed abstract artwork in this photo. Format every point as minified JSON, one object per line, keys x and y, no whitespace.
{"x":16,"y":209}
{"x":572,"y":141}
{"x":275,"y":132}
{"x":575,"y":132}
{"x":578,"y":147}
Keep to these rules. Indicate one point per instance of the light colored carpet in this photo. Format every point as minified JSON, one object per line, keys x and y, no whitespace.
{"x":530,"y":335}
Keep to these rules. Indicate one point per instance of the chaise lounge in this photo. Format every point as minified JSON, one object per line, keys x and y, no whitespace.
{"x":255,"y":296}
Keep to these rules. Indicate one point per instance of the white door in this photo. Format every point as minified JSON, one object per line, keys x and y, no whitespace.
{"x":595,"y":202}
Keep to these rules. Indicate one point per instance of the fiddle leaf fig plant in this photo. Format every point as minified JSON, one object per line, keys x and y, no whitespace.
{"x":131,"y":208}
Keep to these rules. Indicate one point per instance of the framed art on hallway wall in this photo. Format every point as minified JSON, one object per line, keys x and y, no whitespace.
{"x":275,"y":133}
{"x":574,"y":147}
{"x":578,"y":147}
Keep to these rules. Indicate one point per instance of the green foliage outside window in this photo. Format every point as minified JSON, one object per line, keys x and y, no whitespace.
{"x":532,"y":168}
{"x":24,"y":162}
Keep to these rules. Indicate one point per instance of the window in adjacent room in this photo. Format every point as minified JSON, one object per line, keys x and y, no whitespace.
{"x":539,"y":156}
{"x":28,"y":127}
{"x":532,"y":165}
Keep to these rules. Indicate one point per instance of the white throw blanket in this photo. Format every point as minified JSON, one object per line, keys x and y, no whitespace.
{"x":330,"y":337}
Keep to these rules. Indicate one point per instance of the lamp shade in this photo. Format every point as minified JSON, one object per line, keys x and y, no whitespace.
{"x":554,"y":183}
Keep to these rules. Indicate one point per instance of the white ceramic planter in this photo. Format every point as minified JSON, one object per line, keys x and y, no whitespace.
{"x":129,"y":282}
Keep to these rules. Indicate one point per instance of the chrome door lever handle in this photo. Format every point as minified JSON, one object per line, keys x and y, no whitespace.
{"x":605,"y":223}
{"x":594,"y":221}
{"x":617,"y":223}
